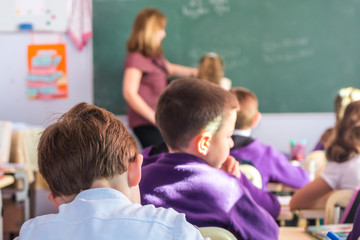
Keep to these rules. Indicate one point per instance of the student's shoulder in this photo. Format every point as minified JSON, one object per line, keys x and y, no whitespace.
{"x":356,"y":158}
{"x":267,"y":148}
{"x":33,"y":224}
{"x":182,"y":229}
{"x":135,"y":59}
{"x":248,"y":144}
{"x":165,"y":216}
{"x":39,"y":220}
{"x":135,"y":54}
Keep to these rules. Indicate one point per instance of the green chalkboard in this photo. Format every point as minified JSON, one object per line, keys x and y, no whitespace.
{"x":293,"y":54}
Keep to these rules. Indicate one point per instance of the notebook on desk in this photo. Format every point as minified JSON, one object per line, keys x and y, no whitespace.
{"x":319,"y":232}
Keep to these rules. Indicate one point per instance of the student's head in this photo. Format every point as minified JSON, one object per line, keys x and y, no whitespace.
{"x":343,"y":98}
{"x":347,"y":135}
{"x":86,"y":144}
{"x":249,"y":115}
{"x":197,"y":117}
{"x":211,"y":68}
{"x":148,"y":32}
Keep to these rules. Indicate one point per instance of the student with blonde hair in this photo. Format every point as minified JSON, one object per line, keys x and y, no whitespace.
{"x":342,"y":171}
{"x":271,"y":163}
{"x":342,"y":99}
{"x":211,"y":68}
{"x":146,"y":71}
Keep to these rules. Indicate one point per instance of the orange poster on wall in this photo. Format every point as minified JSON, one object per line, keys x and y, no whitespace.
{"x":47,"y":77}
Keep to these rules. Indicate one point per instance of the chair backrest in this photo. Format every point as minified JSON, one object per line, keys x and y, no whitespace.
{"x":252,"y":174}
{"x":350,"y":210}
{"x":335,"y":204}
{"x":216,"y":233}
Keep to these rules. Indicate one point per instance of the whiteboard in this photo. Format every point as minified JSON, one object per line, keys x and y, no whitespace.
{"x":34,"y":15}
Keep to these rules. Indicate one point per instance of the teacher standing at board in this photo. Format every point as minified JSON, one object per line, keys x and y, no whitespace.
{"x":146,"y":73}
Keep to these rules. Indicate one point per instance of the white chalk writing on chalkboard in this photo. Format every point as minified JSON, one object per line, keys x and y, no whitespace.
{"x":196,"y":8}
{"x":220,"y":6}
{"x":286,"y":50}
{"x":271,"y":46}
{"x":288,"y":57}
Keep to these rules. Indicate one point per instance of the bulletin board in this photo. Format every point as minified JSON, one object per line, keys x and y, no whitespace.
{"x":34,"y":15}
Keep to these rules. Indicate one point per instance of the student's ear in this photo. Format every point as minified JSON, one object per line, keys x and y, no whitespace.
{"x":56,"y":201}
{"x":134,"y":171}
{"x":203,"y":143}
{"x":256,"y":120}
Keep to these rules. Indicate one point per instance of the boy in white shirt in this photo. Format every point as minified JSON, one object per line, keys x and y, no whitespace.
{"x":93,"y":169}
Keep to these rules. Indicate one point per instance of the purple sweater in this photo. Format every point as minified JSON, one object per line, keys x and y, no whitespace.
{"x":272,"y":164}
{"x":208,"y":196}
{"x":355,"y":233}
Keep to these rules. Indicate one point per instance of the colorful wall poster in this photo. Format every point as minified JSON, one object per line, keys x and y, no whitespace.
{"x":47,"y":78}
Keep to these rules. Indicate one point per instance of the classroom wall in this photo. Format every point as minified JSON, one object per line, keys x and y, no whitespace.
{"x":279,"y":129}
{"x":14,"y":105}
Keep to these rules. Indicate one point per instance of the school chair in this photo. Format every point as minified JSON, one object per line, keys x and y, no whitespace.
{"x":216,"y":233}
{"x":334,"y":209}
{"x":341,"y":206}
{"x":19,"y":202}
{"x":252,"y":174}
{"x":16,"y":207}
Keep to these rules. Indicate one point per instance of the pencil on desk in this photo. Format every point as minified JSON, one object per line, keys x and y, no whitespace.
{"x":333,"y":236}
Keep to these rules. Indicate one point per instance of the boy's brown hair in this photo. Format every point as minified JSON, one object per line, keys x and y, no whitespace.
{"x":248,"y":107}
{"x":85,"y":144}
{"x":142,"y":39}
{"x":189,"y":106}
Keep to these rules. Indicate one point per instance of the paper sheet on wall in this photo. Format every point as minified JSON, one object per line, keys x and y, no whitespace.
{"x":47,"y":78}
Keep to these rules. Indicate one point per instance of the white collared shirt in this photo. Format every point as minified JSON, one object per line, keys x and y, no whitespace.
{"x":344,"y":175}
{"x":245,"y":133}
{"x":104,"y":213}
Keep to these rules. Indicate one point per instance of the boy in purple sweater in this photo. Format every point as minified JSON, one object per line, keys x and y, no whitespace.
{"x":196,"y":120}
{"x":272,"y":164}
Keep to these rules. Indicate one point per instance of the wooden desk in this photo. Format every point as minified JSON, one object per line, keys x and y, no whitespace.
{"x":311,"y":213}
{"x":4,"y":182}
{"x":279,"y":187}
{"x":285,"y":212}
{"x":297,"y":233}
